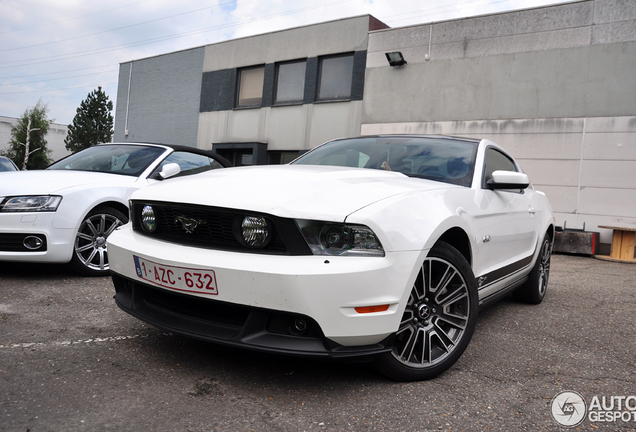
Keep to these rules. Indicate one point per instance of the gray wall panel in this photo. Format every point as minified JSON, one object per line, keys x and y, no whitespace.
{"x":218,"y":90}
{"x":542,"y":84}
{"x":164,"y":98}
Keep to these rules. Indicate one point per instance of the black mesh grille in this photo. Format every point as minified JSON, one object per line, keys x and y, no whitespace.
{"x":196,"y":308}
{"x":213,"y":319}
{"x":216,"y":231}
{"x":215,"y":227}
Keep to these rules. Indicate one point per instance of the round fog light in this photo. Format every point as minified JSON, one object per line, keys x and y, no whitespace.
{"x":300,"y":324}
{"x":148,"y":219}
{"x":255,"y":231}
{"x":33,"y":243}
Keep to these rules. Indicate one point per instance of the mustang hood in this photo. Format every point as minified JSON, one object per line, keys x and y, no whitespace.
{"x":44,"y":182}
{"x":293,"y":191}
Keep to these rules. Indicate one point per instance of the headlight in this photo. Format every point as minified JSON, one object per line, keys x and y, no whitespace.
{"x":148,"y":219}
{"x":254,"y":231}
{"x":33,"y":203}
{"x":325,"y":238}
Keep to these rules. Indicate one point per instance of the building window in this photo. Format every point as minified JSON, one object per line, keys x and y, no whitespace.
{"x":290,"y":82}
{"x":250,"y":82}
{"x":336,"y":76}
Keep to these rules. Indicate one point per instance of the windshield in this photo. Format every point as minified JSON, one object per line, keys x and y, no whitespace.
{"x":116,"y":159}
{"x":6,"y":165}
{"x":441,"y":159}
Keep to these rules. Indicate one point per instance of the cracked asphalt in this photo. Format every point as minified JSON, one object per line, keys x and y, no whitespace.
{"x":71,"y":360}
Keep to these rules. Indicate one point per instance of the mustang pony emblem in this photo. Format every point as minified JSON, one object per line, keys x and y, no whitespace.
{"x":188,"y":224}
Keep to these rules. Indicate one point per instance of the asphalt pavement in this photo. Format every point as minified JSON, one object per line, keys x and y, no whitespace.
{"x":70,"y":360}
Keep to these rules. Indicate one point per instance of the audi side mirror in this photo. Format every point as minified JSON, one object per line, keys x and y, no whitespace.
{"x":169,"y":170}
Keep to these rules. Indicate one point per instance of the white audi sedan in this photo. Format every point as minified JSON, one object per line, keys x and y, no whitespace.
{"x":380,"y":248}
{"x":66,"y":212}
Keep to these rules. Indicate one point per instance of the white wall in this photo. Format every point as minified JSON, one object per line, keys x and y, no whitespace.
{"x":55,"y":138}
{"x":586,"y":167}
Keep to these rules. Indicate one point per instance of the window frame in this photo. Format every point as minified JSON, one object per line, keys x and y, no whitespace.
{"x":319,"y":83}
{"x":239,"y":86}
{"x":301,"y":98}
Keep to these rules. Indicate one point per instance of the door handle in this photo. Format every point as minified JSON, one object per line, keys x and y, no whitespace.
{"x":532,"y":210}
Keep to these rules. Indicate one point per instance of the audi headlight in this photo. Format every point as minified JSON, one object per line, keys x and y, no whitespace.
{"x":326,"y":238}
{"x":31,"y":203}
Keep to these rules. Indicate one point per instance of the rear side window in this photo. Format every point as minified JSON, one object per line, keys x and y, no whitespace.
{"x":190,"y":163}
{"x":495,"y":161}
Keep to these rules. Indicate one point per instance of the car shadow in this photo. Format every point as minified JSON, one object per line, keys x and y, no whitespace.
{"x":209,"y":359}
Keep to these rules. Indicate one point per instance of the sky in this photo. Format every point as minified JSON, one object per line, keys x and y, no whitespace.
{"x":58,"y":51}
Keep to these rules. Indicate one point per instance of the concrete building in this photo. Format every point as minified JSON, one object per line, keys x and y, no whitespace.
{"x":55,"y":138}
{"x":554,"y":85}
{"x":258,"y":99}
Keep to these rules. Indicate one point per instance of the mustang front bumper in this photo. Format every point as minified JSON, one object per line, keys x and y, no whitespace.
{"x":303,"y":305}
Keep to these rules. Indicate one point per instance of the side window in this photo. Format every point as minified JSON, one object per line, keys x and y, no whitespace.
{"x":335,"y":77}
{"x":290,"y":82}
{"x":496,"y":160}
{"x":190,"y":163}
{"x":250,"y":86}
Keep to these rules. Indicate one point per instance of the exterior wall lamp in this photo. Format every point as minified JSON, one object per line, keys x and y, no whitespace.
{"x":395,"y":58}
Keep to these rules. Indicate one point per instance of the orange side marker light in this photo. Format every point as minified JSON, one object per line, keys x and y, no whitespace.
{"x":372,"y":309}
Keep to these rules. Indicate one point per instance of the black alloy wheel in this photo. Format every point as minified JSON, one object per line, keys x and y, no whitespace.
{"x":533,"y":291}
{"x":438,"y":321}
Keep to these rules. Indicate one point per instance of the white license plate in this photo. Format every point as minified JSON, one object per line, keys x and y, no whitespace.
{"x":178,"y":278}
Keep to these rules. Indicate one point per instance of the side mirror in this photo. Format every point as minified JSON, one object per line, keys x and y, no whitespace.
{"x":169,"y":170}
{"x":508,"y":180}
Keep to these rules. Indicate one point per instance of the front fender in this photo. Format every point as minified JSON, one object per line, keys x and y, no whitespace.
{"x":77,"y":204}
{"x":416,"y":220}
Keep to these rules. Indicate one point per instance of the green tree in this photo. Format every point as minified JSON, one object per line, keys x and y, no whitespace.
{"x":92,"y":124}
{"x":27,"y":147}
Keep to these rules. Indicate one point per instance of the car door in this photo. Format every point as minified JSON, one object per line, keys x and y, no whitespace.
{"x":506,"y":224}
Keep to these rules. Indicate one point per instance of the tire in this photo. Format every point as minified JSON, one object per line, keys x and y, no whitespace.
{"x":439,"y":319}
{"x":533,"y":291}
{"x":90,"y":254}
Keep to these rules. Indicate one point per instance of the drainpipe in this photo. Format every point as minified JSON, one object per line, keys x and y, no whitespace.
{"x":128,"y":100}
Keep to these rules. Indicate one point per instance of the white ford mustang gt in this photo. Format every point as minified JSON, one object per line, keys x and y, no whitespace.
{"x":66,"y":212}
{"x":380,"y":248}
